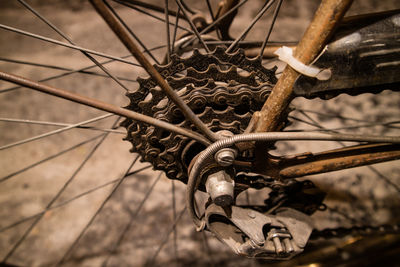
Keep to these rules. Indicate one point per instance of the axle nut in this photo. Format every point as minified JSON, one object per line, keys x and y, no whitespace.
{"x":220,"y":187}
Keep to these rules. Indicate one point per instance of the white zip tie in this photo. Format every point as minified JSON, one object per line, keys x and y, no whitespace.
{"x":286,"y":54}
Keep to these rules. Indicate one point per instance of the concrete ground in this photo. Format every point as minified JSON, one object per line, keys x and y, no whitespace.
{"x":359,"y":196}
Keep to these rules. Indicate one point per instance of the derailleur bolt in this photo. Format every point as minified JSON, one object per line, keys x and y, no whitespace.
{"x":225,"y":157}
{"x":220,"y":187}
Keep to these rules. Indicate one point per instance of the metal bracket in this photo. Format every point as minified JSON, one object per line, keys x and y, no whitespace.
{"x":253,"y":234}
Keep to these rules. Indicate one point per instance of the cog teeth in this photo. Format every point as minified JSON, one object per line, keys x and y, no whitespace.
{"x":219,"y":50}
{"x":174,"y":57}
{"x":207,"y":76}
{"x":191,"y":72}
{"x":210,"y":84}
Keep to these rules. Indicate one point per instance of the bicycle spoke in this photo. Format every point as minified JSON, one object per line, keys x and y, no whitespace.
{"x":371,"y":168}
{"x":61,"y":124}
{"x":305,"y":122}
{"x":133,"y":216}
{"x":117,"y":28}
{"x":333,"y":115}
{"x":69,"y":72}
{"x":46,"y":39}
{"x":5,"y":178}
{"x":166,"y":236}
{"x":253,"y":22}
{"x":61,"y":204}
{"x":175,"y":31}
{"x":61,"y":68}
{"x":102,"y":106}
{"x":278,"y":6}
{"x":146,"y":50}
{"x":201,"y":40}
{"x":78,"y":71}
{"x":51,"y":25}
{"x":212,"y":25}
{"x":188,"y":8}
{"x":36,"y":221}
{"x":72,"y":246}
{"x":210,"y":11}
{"x":167,"y":31}
{"x":151,"y":7}
{"x":175,"y":232}
{"x":72,"y":126}
{"x":150,"y":15}
{"x":207,"y":248}
{"x":383,"y":177}
{"x":388,"y":124}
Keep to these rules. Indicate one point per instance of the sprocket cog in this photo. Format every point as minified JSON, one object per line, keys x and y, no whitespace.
{"x":223,"y":89}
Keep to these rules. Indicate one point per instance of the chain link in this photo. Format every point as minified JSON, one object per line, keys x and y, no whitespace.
{"x":355,"y":230}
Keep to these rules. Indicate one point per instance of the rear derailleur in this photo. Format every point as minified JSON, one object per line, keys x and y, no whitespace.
{"x":277,"y":230}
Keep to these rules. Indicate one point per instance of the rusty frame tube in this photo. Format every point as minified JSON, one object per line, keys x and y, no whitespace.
{"x":124,"y":37}
{"x":328,"y":161}
{"x":326,"y":19}
{"x":87,"y":101}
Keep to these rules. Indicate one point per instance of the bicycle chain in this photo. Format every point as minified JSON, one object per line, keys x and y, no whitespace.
{"x":305,"y":197}
{"x":213,"y":86}
{"x":355,"y":230}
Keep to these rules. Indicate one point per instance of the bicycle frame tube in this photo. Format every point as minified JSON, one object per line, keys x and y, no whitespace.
{"x":326,"y":19}
{"x":321,"y":28}
{"x":338,"y":159}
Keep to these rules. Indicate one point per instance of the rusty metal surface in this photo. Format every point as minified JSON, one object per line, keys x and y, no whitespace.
{"x":340,"y":159}
{"x":270,"y":118}
{"x":328,"y":161}
{"x":321,"y":28}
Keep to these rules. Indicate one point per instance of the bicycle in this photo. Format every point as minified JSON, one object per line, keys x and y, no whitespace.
{"x":218,"y":76}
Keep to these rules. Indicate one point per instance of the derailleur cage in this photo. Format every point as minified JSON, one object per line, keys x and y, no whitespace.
{"x":253,"y":234}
